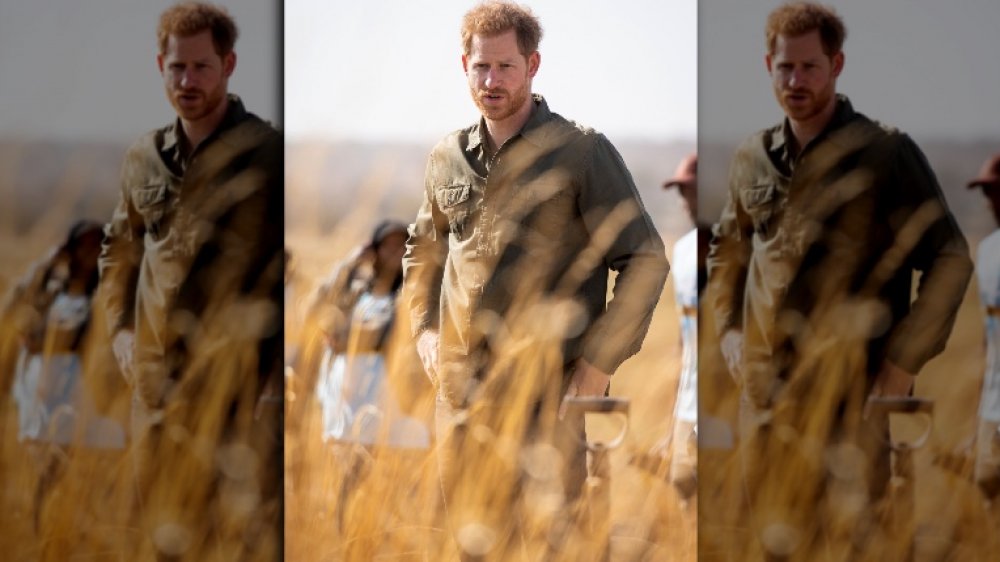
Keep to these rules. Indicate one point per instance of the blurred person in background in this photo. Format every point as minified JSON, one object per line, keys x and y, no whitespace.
{"x":987,"y":465}
{"x":524,"y":216}
{"x":680,"y":445}
{"x":191,"y":276}
{"x":828,"y":216}
{"x":364,"y":385}
{"x":358,"y":314}
{"x":50,"y":308}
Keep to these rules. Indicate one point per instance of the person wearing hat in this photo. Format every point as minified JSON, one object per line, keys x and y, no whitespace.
{"x":688,"y":261}
{"x":987,"y":467}
{"x":356,"y":313}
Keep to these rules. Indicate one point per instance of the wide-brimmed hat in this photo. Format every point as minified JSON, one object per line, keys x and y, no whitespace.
{"x":686,"y":173}
{"x":989,"y":174}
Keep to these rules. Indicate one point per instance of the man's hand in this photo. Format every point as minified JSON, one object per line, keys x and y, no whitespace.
{"x":427,"y":348}
{"x":587,"y":382}
{"x":123,"y":347}
{"x":732,"y":351}
{"x":891,"y":382}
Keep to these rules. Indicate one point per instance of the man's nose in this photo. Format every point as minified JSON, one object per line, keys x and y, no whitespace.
{"x":187,"y":78}
{"x":795,"y":78}
{"x":492,"y":78}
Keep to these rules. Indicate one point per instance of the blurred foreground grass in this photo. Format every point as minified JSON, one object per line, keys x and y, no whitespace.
{"x":394,"y":511}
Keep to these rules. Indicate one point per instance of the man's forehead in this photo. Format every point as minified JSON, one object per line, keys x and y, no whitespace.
{"x":199,"y":43}
{"x":808,"y":43}
{"x":503,"y":43}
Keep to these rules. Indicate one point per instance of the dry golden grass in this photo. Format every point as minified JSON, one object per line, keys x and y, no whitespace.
{"x":394,"y":510}
{"x":806,"y":479}
{"x":203,"y":501}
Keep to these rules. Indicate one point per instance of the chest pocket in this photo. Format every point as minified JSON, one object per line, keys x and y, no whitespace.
{"x":455,"y":201}
{"x":152,"y":202}
{"x":761,"y":203}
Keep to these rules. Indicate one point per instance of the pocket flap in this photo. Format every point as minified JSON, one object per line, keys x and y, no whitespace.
{"x":148,"y":196}
{"x":452,"y":195}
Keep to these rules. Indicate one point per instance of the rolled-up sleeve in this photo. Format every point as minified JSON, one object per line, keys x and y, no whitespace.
{"x":728,"y":258}
{"x":941,"y":254}
{"x":121,"y":254}
{"x":618,"y":224}
{"x":424,"y":260}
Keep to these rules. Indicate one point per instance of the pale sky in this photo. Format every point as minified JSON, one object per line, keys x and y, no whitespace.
{"x":391,"y":69}
{"x":928,"y":67}
{"x":86,"y":71}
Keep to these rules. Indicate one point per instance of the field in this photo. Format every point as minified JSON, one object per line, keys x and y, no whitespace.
{"x":394,"y":511}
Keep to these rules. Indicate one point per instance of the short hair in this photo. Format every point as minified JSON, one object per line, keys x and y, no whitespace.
{"x":191,"y":18}
{"x":799,"y":18}
{"x":495,"y":17}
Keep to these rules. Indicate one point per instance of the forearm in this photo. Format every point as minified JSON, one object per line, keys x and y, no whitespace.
{"x":923,"y":333}
{"x":423,"y":265}
{"x":118,"y":263}
{"x":619,"y":332}
{"x":941,"y":253}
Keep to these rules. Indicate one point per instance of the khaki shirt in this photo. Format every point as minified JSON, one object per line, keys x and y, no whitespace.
{"x":844,"y":223}
{"x":519,"y":246}
{"x":189,"y":231}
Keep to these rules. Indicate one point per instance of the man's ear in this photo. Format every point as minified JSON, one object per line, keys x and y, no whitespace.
{"x":159,"y":62}
{"x":465,"y":64}
{"x":534,"y":60}
{"x":767,"y":62}
{"x":229,"y":63}
{"x":838,"y":63}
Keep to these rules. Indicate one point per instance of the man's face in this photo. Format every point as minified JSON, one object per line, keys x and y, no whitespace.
{"x":195,"y":76}
{"x":803,"y":76}
{"x":499,"y":75}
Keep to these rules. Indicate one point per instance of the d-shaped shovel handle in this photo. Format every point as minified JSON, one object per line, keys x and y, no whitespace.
{"x":620,"y":406}
{"x":883,"y":406}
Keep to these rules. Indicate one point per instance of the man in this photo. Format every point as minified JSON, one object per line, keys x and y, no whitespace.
{"x":987,"y":471}
{"x":191,"y":277}
{"x":688,"y":261}
{"x":810,"y":273}
{"x":507,"y":264}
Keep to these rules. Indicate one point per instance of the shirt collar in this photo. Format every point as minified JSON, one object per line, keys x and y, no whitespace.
{"x":235,"y":113}
{"x":532,"y":130}
{"x":842,"y":114}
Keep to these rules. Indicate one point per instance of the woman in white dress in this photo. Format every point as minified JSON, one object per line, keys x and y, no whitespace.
{"x":358,"y":403}
{"x":50,"y":309}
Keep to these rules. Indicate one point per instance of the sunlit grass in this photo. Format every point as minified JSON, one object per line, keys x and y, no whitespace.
{"x":345,"y":502}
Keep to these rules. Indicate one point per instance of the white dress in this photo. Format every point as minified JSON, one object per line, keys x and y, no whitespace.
{"x":357,"y":402}
{"x":52,"y":402}
{"x":684,"y":267}
{"x":988,"y":272}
